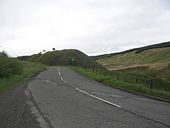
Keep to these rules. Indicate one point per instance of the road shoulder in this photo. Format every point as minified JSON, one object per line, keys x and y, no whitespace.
{"x":14,"y":110}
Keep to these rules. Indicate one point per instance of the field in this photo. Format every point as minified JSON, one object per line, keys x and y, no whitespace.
{"x":131,"y":59}
{"x":150,"y":63}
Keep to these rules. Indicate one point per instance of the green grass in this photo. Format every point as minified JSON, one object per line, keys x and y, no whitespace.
{"x":29,"y":70}
{"x":67,"y":57}
{"x":108,"y":80}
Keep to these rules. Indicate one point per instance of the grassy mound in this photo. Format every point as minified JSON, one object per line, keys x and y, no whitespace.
{"x":68,"y":57}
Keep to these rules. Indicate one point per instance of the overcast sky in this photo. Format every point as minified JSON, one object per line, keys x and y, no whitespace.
{"x":92,"y":26}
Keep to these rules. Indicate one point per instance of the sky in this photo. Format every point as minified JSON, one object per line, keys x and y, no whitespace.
{"x":92,"y":26}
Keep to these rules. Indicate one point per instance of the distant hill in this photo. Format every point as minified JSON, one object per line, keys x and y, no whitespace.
{"x":65,"y":57}
{"x":157,"y":54}
{"x":135,"y":50}
{"x":153,"y":60}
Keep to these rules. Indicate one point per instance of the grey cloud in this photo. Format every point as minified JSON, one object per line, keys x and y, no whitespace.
{"x":93,"y":26}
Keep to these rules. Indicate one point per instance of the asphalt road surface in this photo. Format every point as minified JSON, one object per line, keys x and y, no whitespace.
{"x":61,"y":98}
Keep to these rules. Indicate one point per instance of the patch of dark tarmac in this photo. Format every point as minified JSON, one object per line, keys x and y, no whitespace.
{"x":14,"y":110}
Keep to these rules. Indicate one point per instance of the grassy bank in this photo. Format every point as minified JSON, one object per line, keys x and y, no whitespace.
{"x":28,"y":70}
{"x":108,"y":79}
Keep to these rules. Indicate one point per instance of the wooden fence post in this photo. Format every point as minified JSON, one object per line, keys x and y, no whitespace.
{"x":151,"y":83}
{"x":125,"y":78}
{"x":117,"y":76}
{"x":136,"y":80}
{"x":105,"y":73}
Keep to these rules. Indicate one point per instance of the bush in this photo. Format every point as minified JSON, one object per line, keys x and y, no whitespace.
{"x":169,"y":65}
{"x":9,"y":67}
{"x":3,"y":53}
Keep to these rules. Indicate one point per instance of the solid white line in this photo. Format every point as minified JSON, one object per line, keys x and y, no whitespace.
{"x":59,"y":71}
{"x":61,"y":76}
{"x":63,"y":80}
{"x":95,"y":97}
{"x":84,"y":92}
{"x":100,"y":93}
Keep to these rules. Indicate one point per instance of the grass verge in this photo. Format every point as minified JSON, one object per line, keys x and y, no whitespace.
{"x":108,"y":80}
{"x":29,"y":70}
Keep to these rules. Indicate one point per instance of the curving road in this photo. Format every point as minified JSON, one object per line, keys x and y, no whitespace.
{"x":62,"y":98}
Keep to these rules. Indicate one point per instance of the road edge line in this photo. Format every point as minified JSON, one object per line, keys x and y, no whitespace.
{"x":86,"y":93}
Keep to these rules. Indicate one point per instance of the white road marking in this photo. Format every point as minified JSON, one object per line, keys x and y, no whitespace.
{"x":112,"y":95}
{"x":63,"y":80}
{"x":95,"y":97}
{"x":59,"y":72}
{"x":86,"y":93}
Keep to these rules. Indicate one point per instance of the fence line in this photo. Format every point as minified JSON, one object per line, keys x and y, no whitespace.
{"x":152,"y":83}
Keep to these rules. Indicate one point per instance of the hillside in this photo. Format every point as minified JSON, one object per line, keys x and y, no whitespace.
{"x":136,"y":50}
{"x":155,"y":56}
{"x":152,"y":60}
{"x":67,"y":57}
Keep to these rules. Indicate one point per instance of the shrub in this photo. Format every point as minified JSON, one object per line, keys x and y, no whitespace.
{"x":9,"y":67}
{"x":169,"y":65}
{"x":3,"y":53}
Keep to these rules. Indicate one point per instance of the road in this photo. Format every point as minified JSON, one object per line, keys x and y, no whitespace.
{"x":62,"y":98}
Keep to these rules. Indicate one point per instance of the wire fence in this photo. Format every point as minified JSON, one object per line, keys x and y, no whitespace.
{"x":147,"y":81}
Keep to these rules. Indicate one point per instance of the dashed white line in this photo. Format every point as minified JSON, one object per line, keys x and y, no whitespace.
{"x":86,"y":93}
